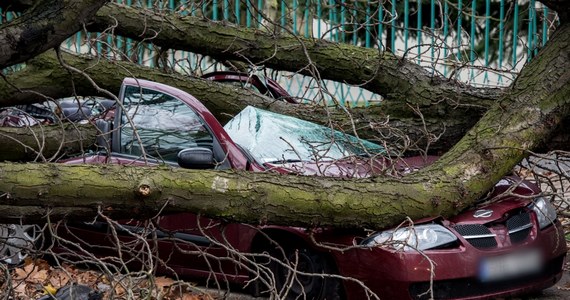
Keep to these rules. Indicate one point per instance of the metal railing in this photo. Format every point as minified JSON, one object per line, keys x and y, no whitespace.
{"x":480,"y":42}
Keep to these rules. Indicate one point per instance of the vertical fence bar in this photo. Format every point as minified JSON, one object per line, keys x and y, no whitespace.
{"x":172,"y":52}
{"x":150,"y":50}
{"x":98,"y":44}
{"x":78,"y":42}
{"x":472,"y":38}
{"x":119,"y":39}
{"x":128,"y":42}
{"x":501,"y":37}
{"x":419,"y":28}
{"x":343,"y":21}
{"x":432,"y":29}
{"x":487,"y":28}
{"x":530,"y":41}
{"x":354,"y":24}
{"x":368,"y":27}
{"x":357,"y":27}
{"x":334,"y":22}
{"x":295,"y":6}
{"x":319,"y":17}
{"x":534,"y":29}
{"x":259,"y":10}
{"x":406,"y":23}
{"x":306,"y":17}
{"x":459,"y":29}
{"x":283,"y":8}
{"x":544,"y":25}
{"x":226,"y":8}
{"x":248,"y":13}
{"x":380,"y":26}
{"x":237,"y":11}
{"x":215,"y":10}
{"x":110,"y":46}
{"x":515,"y":32}
{"x":445,"y":34}
{"x":393,"y":29}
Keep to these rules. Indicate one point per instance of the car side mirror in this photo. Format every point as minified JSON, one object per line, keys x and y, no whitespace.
{"x":196,"y":158}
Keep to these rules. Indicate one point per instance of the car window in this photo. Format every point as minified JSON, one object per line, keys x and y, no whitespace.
{"x":271,"y":137}
{"x":163,"y":125}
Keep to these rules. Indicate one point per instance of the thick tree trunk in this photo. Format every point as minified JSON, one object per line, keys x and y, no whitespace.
{"x":45,"y":78}
{"x":561,"y":7}
{"x":16,"y":5}
{"x":419,"y":107}
{"x":44,"y":26}
{"x":520,"y":121}
{"x":45,"y":143}
{"x":394,"y":78}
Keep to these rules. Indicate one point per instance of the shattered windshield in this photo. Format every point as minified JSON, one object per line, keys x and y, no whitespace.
{"x":276,"y":138}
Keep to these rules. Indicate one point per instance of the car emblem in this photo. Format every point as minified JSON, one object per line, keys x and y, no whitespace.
{"x":483,"y":213}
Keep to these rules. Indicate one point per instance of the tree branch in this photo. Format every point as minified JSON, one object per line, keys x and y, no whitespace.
{"x":519,"y":122}
{"x":45,"y":143}
{"x":381,"y":72}
{"x":44,"y":77}
{"x":44,"y":26}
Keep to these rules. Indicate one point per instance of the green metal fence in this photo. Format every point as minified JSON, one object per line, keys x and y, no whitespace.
{"x":481,"y":42}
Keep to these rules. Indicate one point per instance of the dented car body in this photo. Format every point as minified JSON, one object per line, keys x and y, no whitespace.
{"x":507,"y":247}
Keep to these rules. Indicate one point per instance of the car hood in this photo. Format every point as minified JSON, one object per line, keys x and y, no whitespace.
{"x":355,"y":167}
{"x":509,"y":194}
{"x":346,"y":168}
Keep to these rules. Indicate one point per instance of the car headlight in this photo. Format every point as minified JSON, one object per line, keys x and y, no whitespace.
{"x":421,"y":237}
{"x":545,"y":212}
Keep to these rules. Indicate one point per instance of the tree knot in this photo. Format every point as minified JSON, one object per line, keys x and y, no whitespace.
{"x":144,"y":190}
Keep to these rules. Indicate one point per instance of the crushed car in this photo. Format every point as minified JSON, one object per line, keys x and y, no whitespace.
{"x":501,"y":248}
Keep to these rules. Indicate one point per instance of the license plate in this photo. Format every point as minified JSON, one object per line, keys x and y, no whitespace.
{"x":510,"y":266}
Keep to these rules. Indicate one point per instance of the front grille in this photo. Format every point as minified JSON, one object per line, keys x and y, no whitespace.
{"x":519,"y":227}
{"x":471,"y":287}
{"x":477,"y":235}
{"x":482,"y":237}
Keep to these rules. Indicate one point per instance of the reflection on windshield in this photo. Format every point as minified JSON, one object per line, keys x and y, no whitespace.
{"x":164,"y":124}
{"x":272,"y":137}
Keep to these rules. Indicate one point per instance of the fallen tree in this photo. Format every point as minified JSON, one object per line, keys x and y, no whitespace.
{"x":410,"y":92}
{"x":45,"y":143}
{"x":519,"y":121}
{"x":515,"y":124}
{"x":44,"y":77}
{"x":45,"y":25}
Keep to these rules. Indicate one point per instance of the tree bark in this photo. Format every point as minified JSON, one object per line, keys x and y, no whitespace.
{"x":45,"y":143}
{"x":561,"y":7}
{"x":519,"y":122}
{"x":45,"y":25}
{"x":381,"y":72}
{"x":44,"y":78}
{"x":16,"y":5}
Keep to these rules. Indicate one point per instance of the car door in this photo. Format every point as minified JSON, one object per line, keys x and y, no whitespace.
{"x":155,"y":123}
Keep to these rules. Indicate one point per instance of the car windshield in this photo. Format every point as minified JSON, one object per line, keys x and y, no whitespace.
{"x":276,"y":138}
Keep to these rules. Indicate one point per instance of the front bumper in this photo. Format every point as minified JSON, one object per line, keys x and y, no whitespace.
{"x":408,"y":275}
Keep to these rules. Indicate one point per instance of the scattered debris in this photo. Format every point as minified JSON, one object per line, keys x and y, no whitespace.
{"x":36,"y":279}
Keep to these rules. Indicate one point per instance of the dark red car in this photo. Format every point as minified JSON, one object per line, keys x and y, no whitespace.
{"x":261,"y":84}
{"x":507,"y":247}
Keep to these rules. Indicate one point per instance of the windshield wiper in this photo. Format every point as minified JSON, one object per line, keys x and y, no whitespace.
{"x":283,"y":161}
